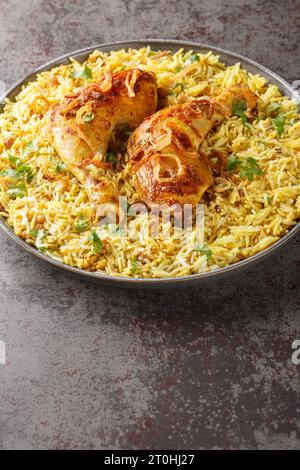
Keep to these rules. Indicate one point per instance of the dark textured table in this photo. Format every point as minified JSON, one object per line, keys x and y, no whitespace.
{"x":95,"y":367}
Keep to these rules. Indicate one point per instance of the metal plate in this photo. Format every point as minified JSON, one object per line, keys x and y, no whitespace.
{"x":229,"y":58}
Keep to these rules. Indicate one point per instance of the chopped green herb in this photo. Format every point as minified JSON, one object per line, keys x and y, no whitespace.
{"x":111,"y":158}
{"x":22,"y":168}
{"x":97,"y":243}
{"x":13,"y":160}
{"x":20,"y":171}
{"x":134,"y":264}
{"x":26,"y":170}
{"x":88,"y":117}
{"x":30,"y":175}
{"x":39,"y":240}
{"x":233,"y":162}
{"x":30,"y":147}
{"x":247,"y":171}
{"x":251,"y":172}
{"x":252,"y":161}
{"x":33,"y":233}
{"x":17,"y":191}
{"x":279,"y":124}
{"x":10,"y":173}
{"x":238,"y":108}
{"x":193,"y":58}
{"x":177,"y":69}
{"x":60,"y":167}
{"x":82,"y":224}
{"x":204,"y":250}
{"x":83,"y":73}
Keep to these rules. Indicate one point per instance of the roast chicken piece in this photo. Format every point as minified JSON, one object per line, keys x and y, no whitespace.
{"x":82,"y":126}
{"x":167,"y":162}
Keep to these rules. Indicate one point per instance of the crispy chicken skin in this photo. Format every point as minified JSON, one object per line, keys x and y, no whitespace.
{"x":167,"y":162}
{"x":82,"y":126}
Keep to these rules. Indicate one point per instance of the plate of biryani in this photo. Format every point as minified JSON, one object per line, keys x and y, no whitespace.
{"x":151,"y":162}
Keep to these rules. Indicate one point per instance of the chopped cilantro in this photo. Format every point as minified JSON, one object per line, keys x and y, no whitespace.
{"x":13,"y":160}
{"x":97,"y":243}
{"x":134,"y":264}
{"x":25,"y":170}
{"x":249,"y":167}
{"x":30,"y":147}
{"x":39,"y":240}
{"x":17,"y":191}
{"x":22,"y":168}
{"x":30,"y":175}
{"x":10,"y":173}
{"x":279,"y":124}
{"x":83,"y":73}
{"x":20,"y":171}
{"x":233,"y":162}
{"x":252,"y":161}
{"x":82,"y":224}
{"x":33,"y":233}
{"x":204,"y":250}
{"x":177,"y":69}
{"x":238,"y":108}
{"x":193,"y":58}
{"x":251,"y":170}
{"x":60,"y":167}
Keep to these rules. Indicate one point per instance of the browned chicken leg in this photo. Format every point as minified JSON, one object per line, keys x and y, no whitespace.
{"x":164,"y":149}
{"x":82,"y":126}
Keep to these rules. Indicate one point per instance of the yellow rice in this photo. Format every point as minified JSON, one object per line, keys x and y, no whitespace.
{"x":242,"y":217}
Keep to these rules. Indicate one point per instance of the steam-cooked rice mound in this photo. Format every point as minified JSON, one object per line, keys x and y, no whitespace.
{"x":255,"y":163}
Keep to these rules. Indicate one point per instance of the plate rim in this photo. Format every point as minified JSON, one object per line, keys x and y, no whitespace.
{"x":140,"y":281}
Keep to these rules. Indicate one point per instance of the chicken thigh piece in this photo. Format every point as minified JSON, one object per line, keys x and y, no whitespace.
{"x":82,"y":126}
{"x":167,"y":162}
